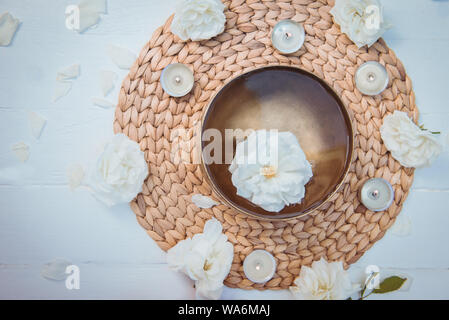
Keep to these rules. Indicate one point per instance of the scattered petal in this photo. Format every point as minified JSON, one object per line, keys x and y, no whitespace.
{"x":88,"y":18}
{"x":203,"y":202}
{"x":37,"y":124}
{"x":61,"y":89}
{"x":122,"y":57}
{"x":8,"y":27}
{"x":98,"y":6}
{"x":69,"y":72}
{"x":21,"y":150}
{"x":402,"y":227}
{"x":55,"y":270}
{"x":102,"y":103}
{"x":75,"y":175}
{"x":107,"y":81}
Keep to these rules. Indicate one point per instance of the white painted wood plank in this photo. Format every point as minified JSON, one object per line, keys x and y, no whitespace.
{"x":159,"y":282}
{"x":41,"y":223}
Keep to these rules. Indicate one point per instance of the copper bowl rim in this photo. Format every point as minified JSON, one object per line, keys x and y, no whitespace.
{"x":223,"y":197}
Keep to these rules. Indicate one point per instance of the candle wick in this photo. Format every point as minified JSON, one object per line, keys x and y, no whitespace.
{"x":258,"y":266}
{"x":178,"y":79}
{"x":288,"y":35}
{"x":371,"y":77}
{"x":374,"y":194}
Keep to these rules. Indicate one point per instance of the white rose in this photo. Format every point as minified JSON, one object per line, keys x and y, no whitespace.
{"x":119,"y":172}
{"x":410,"y":145}
{"x":206,"y":258}
{"x":357,"y":18}
{"x":198,"y":19}
{"x":268,"y":180}
{"x":323,"y":281}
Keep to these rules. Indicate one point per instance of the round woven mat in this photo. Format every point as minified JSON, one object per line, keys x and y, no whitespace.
{"x":341,"y":230}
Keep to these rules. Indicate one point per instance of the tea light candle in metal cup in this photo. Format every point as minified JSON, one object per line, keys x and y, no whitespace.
{"x":177,"y":79}
{"x":288,"y":36}
{"x":371,"y":78}
{"x":259,"y":266}
{"x":377,"y":194}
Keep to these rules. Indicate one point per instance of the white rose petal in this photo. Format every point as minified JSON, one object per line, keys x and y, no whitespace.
{"x":323,"y":281}
{"x":122,"y":57}
{"x":119,"y":172}
{"x":203,"y":202}
{"x":55,"y":270}
{"x":75,"y":175}
{"x":107,"y":81}
{"x":206,"y":258}
{"x":198,"y":19}
{"x":88,"y":19}
{"x":102,"y":103}
{"x":62,"y":88}
{"x":68,"y":73}
{"x":266,"y":180}
{"x":8,"y":27}
{"x":402,"y":227}
{"x":98,"y":6}
{"x":408,"y":144}
{"x":21,"y":150}
{"x":37,"y":124}
{"x":354,"y":18}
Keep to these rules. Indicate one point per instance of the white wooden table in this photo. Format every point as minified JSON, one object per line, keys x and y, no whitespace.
{"x":41,"y":219}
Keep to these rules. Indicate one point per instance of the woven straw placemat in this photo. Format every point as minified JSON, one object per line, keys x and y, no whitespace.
{"x":341,"y":230}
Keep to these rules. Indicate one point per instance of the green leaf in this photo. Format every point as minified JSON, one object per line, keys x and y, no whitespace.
{"x":390,"y":284}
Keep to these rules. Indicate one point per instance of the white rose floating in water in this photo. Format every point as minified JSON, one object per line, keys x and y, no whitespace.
{"x":206,"y":258}
{"x":198,"y":19}
{"x":119,"y":172}
{"x":409,"y":144}
{"x":323,"y":281}
{"x":361,"y":20}
{"x":270,"y":170}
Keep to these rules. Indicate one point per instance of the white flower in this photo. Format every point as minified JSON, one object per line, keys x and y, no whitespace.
{"x":198,"y":19}
{"x":271,"y":173}
{"x":410,"y":145}
{"x":120,"y":171}
{"x":206,"y":258}
{"x":323,"y":281}
{"x":203,"y":202}
{"x":357,"y":18}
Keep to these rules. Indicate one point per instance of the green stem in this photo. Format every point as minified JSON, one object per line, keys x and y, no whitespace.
{"x":432,"y":132}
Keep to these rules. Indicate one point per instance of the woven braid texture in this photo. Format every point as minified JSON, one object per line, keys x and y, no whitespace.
{"x":342,"y":230}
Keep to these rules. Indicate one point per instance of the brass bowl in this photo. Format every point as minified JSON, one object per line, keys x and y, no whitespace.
{"x":286,"y":99}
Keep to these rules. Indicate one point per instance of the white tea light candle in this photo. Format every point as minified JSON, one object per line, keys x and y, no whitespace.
{"x":371,"y":78}
{"x":259,"y":266}
{"x":288,"y":36}
{"x":177,"y":79}
{"x":377,"y":194}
